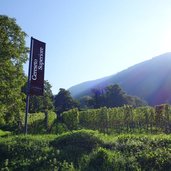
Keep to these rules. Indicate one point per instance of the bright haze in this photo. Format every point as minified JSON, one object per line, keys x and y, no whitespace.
{"x":90,"y":39}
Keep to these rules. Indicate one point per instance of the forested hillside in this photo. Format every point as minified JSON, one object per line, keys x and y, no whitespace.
{"x":149,"y":80}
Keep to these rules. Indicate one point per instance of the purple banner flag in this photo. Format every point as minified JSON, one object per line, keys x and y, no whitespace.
{"x":37,"y":67}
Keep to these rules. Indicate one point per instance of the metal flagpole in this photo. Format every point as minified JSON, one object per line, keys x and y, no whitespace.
{"x":28,"y":87}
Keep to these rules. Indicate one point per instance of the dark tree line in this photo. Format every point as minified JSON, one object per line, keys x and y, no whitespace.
{"x":111,"y":96}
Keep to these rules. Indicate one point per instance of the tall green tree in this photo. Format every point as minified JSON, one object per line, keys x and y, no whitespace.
{"x":63,"y":101}
{"x":13,"y":54}
{"x":115,"y":96}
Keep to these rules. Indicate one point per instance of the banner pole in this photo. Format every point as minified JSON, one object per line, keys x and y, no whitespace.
{"x":28,"y":87}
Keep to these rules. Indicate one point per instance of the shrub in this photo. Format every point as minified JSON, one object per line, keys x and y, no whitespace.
{"x":71,"y":119}
{"x":58,"y":128}
{"x":25,"y":152}
{"x":73,"y":145}
{"x":37,"y":123}
{"x":105,"y":160}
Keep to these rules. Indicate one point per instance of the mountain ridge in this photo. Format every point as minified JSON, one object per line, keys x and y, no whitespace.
{"x":148,"y":80}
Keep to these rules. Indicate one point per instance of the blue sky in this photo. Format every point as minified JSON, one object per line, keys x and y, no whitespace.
{"x":90,"y":39}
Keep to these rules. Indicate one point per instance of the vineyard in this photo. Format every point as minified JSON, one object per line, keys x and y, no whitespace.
{"x":123,"y":138}
{"x":124,"y":119}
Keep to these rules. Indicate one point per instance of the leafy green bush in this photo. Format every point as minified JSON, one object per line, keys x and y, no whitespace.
{"x":21,"y":152}
{"x":160,"y":159}
{"x":86,"y":150}
{"x":58,"y":128}
{"x":152,"y":152}
{"x":105,"y":160}
{"x":72,"y":145}
{"x":37,"y":123}
{"x":30,"y":153}
{"x":88,"y":119}
{"x":51,"y":117}
{"x":71,"y":118}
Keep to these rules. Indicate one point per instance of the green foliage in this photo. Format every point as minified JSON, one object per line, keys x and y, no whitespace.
{"x":30,"y":153}
{"x":37,"y":122}
{"x":98,"y":99}
{"x":51,"y":118}
{"x":113,"y":96}
{"x":58,"y":128}
{"x":13,"y":54}
{"x":103,"y":119}
{"x":126,"y":119}
{"x":88,"y":119}
{"x":86,"y":150}
{"x":117,"y":120}
{"x":96,"y":119}
{"x":4,"y":133}
{"x":73,"y":145}
{"x":131,"y":152}
{"x":42,"y":103}
{"x":103,"y":159}
{"x":86,"y":102}
{"x":63,"y":101}
{"x":71,"y":119}
{"x":151,"y":152}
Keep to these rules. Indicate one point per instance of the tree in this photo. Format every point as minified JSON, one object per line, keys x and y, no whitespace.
{"x":63,"y":101}
{"x":13,"y":54}
{"x":98,"y":98}
{"x":115,"y":96}
{"x":135,"y":101}
{"x":86,"y":102}
{"x":41,"y":103}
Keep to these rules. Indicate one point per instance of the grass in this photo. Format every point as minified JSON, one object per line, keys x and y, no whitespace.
{"x":4,"y":133}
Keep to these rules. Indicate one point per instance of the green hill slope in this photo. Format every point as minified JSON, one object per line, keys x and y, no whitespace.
{"x":149,"y":80}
